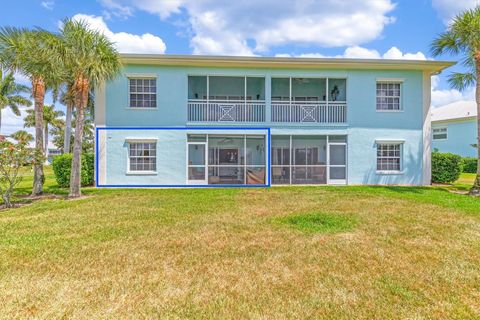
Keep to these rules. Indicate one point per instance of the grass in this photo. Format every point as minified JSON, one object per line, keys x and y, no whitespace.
{"x":226,"y":253}
{"x":319,"y":222}
{"x":465,"y":181}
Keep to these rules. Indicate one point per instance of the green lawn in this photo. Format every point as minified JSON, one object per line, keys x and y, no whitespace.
{"x":286,"y":252}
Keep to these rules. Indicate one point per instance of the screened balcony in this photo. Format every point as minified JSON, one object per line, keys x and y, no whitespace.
{"x":226,"y":99}
{"x":314,"y":100}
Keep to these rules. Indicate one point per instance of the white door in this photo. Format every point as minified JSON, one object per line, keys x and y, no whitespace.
{"x":197,"y":163}
{"x":337,"y":173}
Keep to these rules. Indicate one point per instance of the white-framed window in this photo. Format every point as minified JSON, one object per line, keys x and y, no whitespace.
{"x":389,"y":157}
{"x":388,"y":96}
{"x":142,"y":92}
{"x":440,"y":133}
{"x":142,"y":156}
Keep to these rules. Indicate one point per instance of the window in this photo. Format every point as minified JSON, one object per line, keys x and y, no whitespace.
{"x":143,"y":93}
{"x":440,"y":133}
{"x":388,"y":96}
{"x":389,"y":157}
{"x":143,"y":156}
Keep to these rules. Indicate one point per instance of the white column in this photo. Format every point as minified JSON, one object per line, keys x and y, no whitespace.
{"x":427,"y":128}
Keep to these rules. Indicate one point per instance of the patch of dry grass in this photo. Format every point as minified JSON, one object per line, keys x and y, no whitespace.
{"x":413,"y":253}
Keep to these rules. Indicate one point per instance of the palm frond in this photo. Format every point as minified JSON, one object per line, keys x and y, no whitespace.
{"x":446,"y":42}
{"x":461,"y":81}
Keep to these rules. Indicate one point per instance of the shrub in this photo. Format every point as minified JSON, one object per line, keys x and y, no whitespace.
{"x":446,"y":167}
{"x":469,"y":165}
{"x":62,"y":166}
{"x":12,"y":158}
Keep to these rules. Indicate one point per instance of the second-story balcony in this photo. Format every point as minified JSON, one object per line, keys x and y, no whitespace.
{"x":309,"y":100}
{"x":226,"y":110}
{"x":226,"y":99}
{"x":320,"y":112}
{"x":217,"y":99}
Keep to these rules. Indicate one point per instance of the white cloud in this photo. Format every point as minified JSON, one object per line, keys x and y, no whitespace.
{"x":126,"y":7}
{"x":48,"y":4}
{"x":448,"y":9}
{"x":357,"y":52}
{"x":125,"y":42}
{"x":442,"y":97}
{"x":12,"y":123}
{"x":395,"y":53}
{"x":250,"y":27}
{"x":21,"y":79}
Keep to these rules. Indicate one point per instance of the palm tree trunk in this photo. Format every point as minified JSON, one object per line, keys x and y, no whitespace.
{"x":475,"y":190}
{"x":81,"y":100}
{"x":38,"y":90}
{"x":68,"y":129}
{"x":46,"y":143}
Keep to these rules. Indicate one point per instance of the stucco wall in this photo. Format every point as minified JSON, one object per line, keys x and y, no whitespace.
{"x":461,"y":135}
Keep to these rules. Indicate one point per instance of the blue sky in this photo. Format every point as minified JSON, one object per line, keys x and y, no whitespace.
{"x":401,"y":29}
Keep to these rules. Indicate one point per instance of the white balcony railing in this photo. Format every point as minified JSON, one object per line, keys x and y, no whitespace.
{"x":226,"y":110}
{"x":309,"y":111}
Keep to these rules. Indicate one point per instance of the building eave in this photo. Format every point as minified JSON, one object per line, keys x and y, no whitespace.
{"x":430,"y":66}
{"x":454,"y":120}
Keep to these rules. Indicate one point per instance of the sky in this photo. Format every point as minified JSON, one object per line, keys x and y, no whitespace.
{"x":388,"y":29}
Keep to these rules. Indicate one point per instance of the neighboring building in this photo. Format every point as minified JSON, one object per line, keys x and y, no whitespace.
{"x":454,"y":128}
{"x":205,"y":120}
{"x":52,"y":153}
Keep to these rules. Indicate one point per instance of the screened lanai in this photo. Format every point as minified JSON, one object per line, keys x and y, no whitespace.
{"x":226,"y":159}
{"x":226,"y":98}
{"x":312,"y":159}
{"x":320,"y":100}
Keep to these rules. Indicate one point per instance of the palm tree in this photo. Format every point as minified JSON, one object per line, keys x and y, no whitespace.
{"x":22,"y":136}
{"x":462,"y":37}
{"x":10,"y":95}
{"x":51,"y":117}
{"x":30,"y":53}
{"x":90,"y":58}
{"x":68,"y":99}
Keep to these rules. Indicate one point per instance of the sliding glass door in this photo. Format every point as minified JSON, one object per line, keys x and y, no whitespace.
{"x":309,"y":160}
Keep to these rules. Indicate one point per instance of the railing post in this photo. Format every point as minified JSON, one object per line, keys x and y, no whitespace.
{"x":267,"y":108}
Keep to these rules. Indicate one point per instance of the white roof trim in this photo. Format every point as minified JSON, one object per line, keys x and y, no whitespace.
{"x":431,"y":66}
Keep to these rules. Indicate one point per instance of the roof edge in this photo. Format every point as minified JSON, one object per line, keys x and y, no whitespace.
{"x":455,"y":119}
{"x":283,"y":62}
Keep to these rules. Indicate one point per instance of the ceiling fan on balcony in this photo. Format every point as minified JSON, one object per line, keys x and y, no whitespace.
{"x":302,"y":80}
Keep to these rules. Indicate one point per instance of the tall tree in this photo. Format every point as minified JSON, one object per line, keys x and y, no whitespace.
{"x":68,"y":99}
{"x":51,"y":117}
{"x":10,"y":95}
{"x":462,"y":38}
{"x":90,"y":58}
{"x":30,"y":53}
{"x":58,"y":135}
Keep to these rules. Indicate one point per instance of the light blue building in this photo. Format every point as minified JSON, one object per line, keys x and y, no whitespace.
{"x":454,"y":128}
{"x":255,"y":121}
